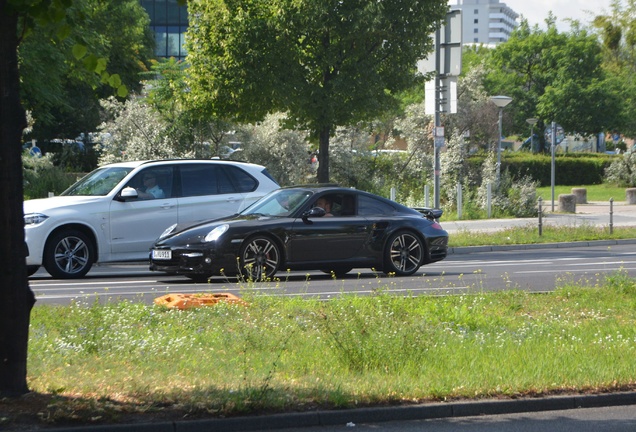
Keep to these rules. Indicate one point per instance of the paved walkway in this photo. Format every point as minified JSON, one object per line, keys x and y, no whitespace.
{"x":619,"y":214}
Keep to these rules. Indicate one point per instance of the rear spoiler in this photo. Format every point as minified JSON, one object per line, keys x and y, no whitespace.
{"x":430,"y":213}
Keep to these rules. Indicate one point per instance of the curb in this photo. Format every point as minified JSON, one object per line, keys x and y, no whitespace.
{"x":373,"y":415}
{"x":498,"y":248}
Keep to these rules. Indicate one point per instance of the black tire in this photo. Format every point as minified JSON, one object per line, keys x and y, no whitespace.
{"x":337,"y":271}
{"x":69,"y":254}
{"x":404,"y":254}
{"x":32,"y":269}
{"x":260,"y":258}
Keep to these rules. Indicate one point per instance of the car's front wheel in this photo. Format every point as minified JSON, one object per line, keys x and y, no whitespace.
{"x":68,"y":254}
{"x":260,"y":258}
{"x":404,"y":254}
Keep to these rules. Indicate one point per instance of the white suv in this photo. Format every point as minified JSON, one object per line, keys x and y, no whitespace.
{"x":116,"y":212}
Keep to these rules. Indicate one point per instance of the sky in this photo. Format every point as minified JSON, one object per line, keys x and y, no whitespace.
{"x":535,"y":11}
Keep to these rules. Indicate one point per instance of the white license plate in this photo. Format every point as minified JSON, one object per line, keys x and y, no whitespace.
{"x":161,"y":254}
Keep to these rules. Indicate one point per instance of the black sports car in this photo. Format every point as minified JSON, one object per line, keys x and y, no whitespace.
{"x":287,"y":230}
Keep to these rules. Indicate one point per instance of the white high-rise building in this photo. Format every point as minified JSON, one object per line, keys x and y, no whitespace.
{"x":485,"y":21}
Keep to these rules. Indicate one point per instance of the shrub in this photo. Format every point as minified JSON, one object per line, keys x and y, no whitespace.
{"x":41,"y":176}
{"x":622,"y":170}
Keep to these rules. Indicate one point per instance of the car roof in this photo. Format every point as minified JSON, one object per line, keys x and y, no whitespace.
{"x":135,"y":164}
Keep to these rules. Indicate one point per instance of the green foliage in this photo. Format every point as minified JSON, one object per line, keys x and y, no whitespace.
{"x":622,"y":170}
{"x":570,"y":169}
{"x":284,"y":152}
{"x":285,"y":354}
{"x":327,"y":64}
{"x":93,"y":50}
{"x":41,"y":177}
{"x":554,"y":76}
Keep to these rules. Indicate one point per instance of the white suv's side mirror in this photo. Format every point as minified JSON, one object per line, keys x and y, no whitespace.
{"x":128,"y":193}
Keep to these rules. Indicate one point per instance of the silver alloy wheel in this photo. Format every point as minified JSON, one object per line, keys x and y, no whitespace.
{"x":260,"y":258}
{"x":404,"y":254}
{"x":68,"y":255}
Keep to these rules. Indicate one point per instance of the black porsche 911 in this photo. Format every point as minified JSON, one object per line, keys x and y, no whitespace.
{"x":287,"y":230}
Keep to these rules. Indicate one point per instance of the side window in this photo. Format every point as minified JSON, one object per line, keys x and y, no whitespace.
{"x":337,"y":204}
{"x":225,"y":183}
{"x":198,"y":179}
{"x":242,"y":181}
{"x":368,"y":206}
{"x":153,"y":183}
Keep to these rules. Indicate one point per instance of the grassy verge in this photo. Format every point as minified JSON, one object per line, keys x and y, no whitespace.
{"x":530,"y":235}
{"x":602,"y":192}
{"x":104,"y":363}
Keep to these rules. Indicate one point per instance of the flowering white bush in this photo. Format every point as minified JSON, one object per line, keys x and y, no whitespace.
{"x":134,"y":131}
{"x":622,"y":171}
{"x":284,"y":152}
{"x":511,"y":197}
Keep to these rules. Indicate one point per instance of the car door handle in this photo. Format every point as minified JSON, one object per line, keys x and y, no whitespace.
{"x":362,"y":228}
{"x":231,"y":199}
{"x":167,"y":206}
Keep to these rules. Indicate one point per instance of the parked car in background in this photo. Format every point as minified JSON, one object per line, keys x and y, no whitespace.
{"x":287,"y":230}
{"x":116,"y":212}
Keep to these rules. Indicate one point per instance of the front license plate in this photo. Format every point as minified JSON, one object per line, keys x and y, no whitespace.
{"x":161,"y":254}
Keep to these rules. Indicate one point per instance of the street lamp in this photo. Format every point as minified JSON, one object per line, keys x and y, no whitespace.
{"x":501,"y":102}
{"x":532,"y":122}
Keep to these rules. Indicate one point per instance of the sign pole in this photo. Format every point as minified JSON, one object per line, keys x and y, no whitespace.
{"x":437,"y":168}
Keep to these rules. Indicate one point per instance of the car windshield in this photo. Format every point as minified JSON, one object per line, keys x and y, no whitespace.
{"x":98,"y":183}
{"x":282,"y":202}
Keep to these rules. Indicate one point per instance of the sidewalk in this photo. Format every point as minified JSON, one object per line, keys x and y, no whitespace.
{"x":593,"y":213}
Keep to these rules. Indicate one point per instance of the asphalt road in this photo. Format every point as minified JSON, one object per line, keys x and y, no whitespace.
{"x":606,"y":419}
{"x":535,"y":270}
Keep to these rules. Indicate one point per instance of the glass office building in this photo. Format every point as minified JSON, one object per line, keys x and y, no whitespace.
{"x":169,"y":21}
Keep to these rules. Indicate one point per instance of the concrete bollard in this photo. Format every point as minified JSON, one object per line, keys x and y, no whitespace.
{"x":567,"y":203}
{"x":581,"y":195}
{"x":630,"y":195}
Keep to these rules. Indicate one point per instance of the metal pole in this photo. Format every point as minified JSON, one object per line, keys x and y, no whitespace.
{"x":426,"y":198}
{"x":459,"y":201}
{"x":499,"y":146}
{"x":540,"y":216}
{"x":611,"y":225}
{"x":553,"y":167}
{"x":489,"y":199}
{"x":437,"y":168}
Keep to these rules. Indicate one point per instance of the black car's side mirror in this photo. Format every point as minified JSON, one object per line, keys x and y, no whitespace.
{"x":313,"y":213}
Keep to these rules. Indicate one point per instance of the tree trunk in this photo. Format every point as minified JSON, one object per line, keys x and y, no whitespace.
{"x":16,"y":298}
{"x":323,"y":156}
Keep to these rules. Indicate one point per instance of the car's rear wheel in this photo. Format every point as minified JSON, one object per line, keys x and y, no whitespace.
{"x":32,"y":269}
{"x":260,"y":258}
{"x":69,"y":254}
{"x":404,"y":254}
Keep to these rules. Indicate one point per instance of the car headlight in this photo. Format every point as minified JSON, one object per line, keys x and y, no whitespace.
{"x":216,"y":233}
{"x":34,"y":218}
{"x":168,"y":231}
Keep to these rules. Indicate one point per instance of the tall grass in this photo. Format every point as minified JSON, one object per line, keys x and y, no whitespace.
{"x":281,"y":353}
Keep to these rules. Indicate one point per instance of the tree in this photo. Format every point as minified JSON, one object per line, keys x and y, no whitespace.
{"x":17,"y":18}
{"x":63,"y":96}
{"x":556,"y":77}
{"x":191,"y":130}
{"x":326,"y":63}
{"x":18,"y":299}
